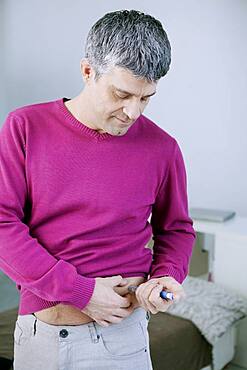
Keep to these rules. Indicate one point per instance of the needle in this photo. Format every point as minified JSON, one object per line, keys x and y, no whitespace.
{"x":163,"y":293}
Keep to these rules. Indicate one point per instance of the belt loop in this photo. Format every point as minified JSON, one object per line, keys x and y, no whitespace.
{"x":148,"y":315}
{"x":93,"y":333}
{"x":34,"y":326}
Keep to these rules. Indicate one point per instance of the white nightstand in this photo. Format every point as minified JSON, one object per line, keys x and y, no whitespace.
{"x":226,"y":243}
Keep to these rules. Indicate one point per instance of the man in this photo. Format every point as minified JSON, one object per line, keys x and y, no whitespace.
{"x":79,"y":179}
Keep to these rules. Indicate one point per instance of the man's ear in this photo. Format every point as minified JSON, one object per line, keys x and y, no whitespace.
{"x":87,"y":71}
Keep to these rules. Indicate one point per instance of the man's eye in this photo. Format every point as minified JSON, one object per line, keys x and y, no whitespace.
{"x":121,"y":97}
{"x":126,"y":97}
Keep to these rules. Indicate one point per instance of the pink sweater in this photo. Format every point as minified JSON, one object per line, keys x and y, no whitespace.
{"x":74,"y":205}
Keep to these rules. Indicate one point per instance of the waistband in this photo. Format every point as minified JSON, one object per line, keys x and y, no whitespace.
{"x":28,"y":321}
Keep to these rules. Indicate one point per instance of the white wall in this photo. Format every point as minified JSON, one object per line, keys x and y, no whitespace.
{"x":202,"y":100}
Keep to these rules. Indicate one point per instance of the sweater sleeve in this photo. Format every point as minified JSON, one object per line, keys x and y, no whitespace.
{"x":173,"y":232}
{"x":22,"y":258}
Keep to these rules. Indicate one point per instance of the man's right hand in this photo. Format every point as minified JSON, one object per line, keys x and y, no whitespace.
{"x":105,"y":305}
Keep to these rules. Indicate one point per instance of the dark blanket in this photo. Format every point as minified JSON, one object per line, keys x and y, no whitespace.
{"x":7,"y":326}
{"x":176,"y":344}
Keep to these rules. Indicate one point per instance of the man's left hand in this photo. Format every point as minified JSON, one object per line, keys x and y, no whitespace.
{"x":148,"y":293}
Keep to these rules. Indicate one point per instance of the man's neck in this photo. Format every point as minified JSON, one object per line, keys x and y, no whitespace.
{"x":77,"y":107}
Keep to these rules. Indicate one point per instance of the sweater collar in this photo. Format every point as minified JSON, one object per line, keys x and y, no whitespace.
{"x":80,"y":125}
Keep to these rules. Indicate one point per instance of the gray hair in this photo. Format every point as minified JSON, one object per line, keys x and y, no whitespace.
{"x":129,"y":39}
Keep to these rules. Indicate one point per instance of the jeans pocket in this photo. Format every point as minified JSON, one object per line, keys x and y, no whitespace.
{"x":128,"y":341}
{"x":20,"y":334}
{"x":17,"y":333}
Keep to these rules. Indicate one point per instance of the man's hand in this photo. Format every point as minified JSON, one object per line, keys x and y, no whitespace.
{"x":148,"y":293}
{"x":105,"y":305}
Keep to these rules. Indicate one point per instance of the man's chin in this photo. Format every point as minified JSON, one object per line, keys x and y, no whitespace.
{"x":117,"y":131}
{"x":120,"y":133}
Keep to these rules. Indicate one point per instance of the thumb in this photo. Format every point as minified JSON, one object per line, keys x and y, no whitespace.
{"x":123,"y":282}
{"x":116,"y":280}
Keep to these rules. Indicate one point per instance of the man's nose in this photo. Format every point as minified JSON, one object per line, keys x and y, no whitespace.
{"x":132,"y":110}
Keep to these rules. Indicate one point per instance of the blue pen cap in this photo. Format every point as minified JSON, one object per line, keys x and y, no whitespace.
{"x":166,"y":295}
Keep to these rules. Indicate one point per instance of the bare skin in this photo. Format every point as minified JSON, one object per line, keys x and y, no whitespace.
{"x":105,"y":306}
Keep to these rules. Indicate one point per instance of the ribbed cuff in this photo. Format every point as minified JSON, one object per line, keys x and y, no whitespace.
{"x":167,"y":271}
{"x":82,"y":292}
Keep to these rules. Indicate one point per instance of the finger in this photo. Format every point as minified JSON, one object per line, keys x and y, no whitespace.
{"x":159,"y":303}
{"x":147,"y":288}
{"x":121,"y":301}
{"x":178,"y":291}
{"x":102,"y":323}
{"x":123,"y":282}
{"x":143,"y":295}
{"x":118,"y":312}
{"x":148,"y":306}
{"x":114,"y":319}
{"x":171,"y":284}
{"x":124,"y":312}
{"x":138,"y":294}
{"x":110,"y":319}
{"x":142,"y":287}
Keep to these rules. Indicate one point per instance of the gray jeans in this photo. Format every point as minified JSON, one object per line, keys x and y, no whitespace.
{"x":122,"y":346}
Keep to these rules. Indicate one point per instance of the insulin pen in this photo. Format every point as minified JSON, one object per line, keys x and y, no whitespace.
{"x":163,"y":293}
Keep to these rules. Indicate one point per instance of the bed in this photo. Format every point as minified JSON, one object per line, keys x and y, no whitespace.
{"x":176,"y":344}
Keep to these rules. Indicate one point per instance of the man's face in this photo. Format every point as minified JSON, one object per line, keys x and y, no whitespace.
{"x":118,"y":99}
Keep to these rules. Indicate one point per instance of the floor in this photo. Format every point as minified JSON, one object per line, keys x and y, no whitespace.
{"x":11,"y":299}
{"x":233,"y":367}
